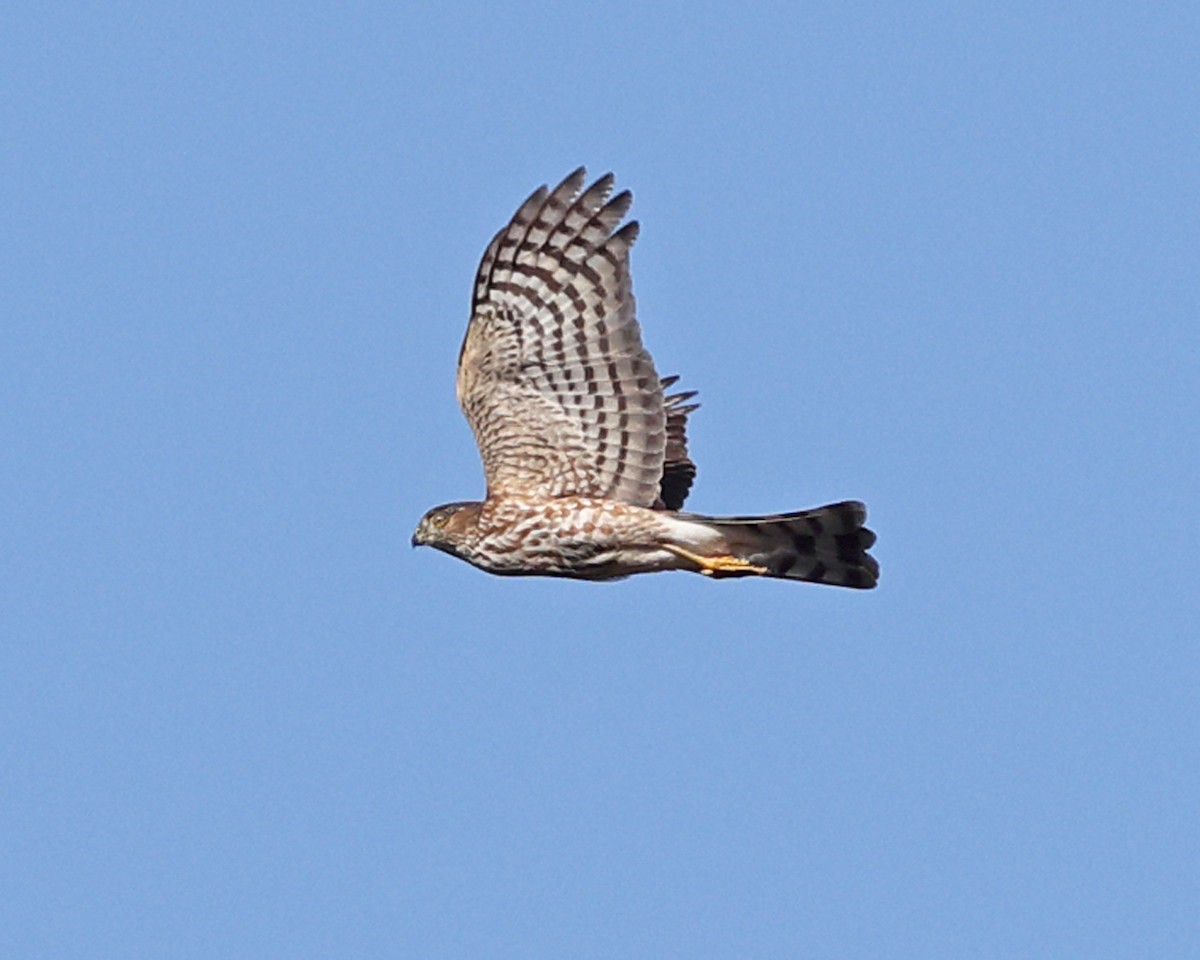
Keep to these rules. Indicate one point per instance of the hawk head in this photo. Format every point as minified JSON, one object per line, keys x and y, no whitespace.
{"x":443,"y":527}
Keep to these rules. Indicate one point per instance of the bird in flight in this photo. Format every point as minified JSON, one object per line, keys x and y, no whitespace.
{"x":584,"y":449}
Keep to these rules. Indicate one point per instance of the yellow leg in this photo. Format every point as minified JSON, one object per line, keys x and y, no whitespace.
{"x":722,"y":566}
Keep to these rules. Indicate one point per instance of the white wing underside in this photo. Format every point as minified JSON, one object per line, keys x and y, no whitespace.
{"x":552,"y":376}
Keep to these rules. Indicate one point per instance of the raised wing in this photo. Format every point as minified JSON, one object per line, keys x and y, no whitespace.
{"x":552,"y":376}
{"x":679,"y":472}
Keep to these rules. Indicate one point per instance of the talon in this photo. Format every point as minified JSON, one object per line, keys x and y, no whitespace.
{"x":718,"y":566}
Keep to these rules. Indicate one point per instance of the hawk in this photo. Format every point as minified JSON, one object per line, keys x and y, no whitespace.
{"x":584,"y":451}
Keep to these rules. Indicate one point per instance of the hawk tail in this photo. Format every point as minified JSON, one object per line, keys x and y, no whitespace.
{"x":824,"y":545}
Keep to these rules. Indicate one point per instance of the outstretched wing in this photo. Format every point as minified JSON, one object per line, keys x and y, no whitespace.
{"x":552,"y":376}
{"x":679,"y":472}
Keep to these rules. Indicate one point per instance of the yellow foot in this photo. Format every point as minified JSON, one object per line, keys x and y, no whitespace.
{"x":721,"y":566}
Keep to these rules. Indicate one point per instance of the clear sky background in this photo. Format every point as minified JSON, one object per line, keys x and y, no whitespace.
{"x":941,"y":257}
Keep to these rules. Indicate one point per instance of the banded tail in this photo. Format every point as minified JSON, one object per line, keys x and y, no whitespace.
{"x":823,"y":545}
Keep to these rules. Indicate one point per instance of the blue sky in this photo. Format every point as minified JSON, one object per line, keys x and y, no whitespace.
{"x":940,"y":257}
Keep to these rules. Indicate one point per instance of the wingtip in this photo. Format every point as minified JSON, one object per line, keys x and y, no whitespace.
{"x":573,"y":180}
{"x":628,"y":233}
